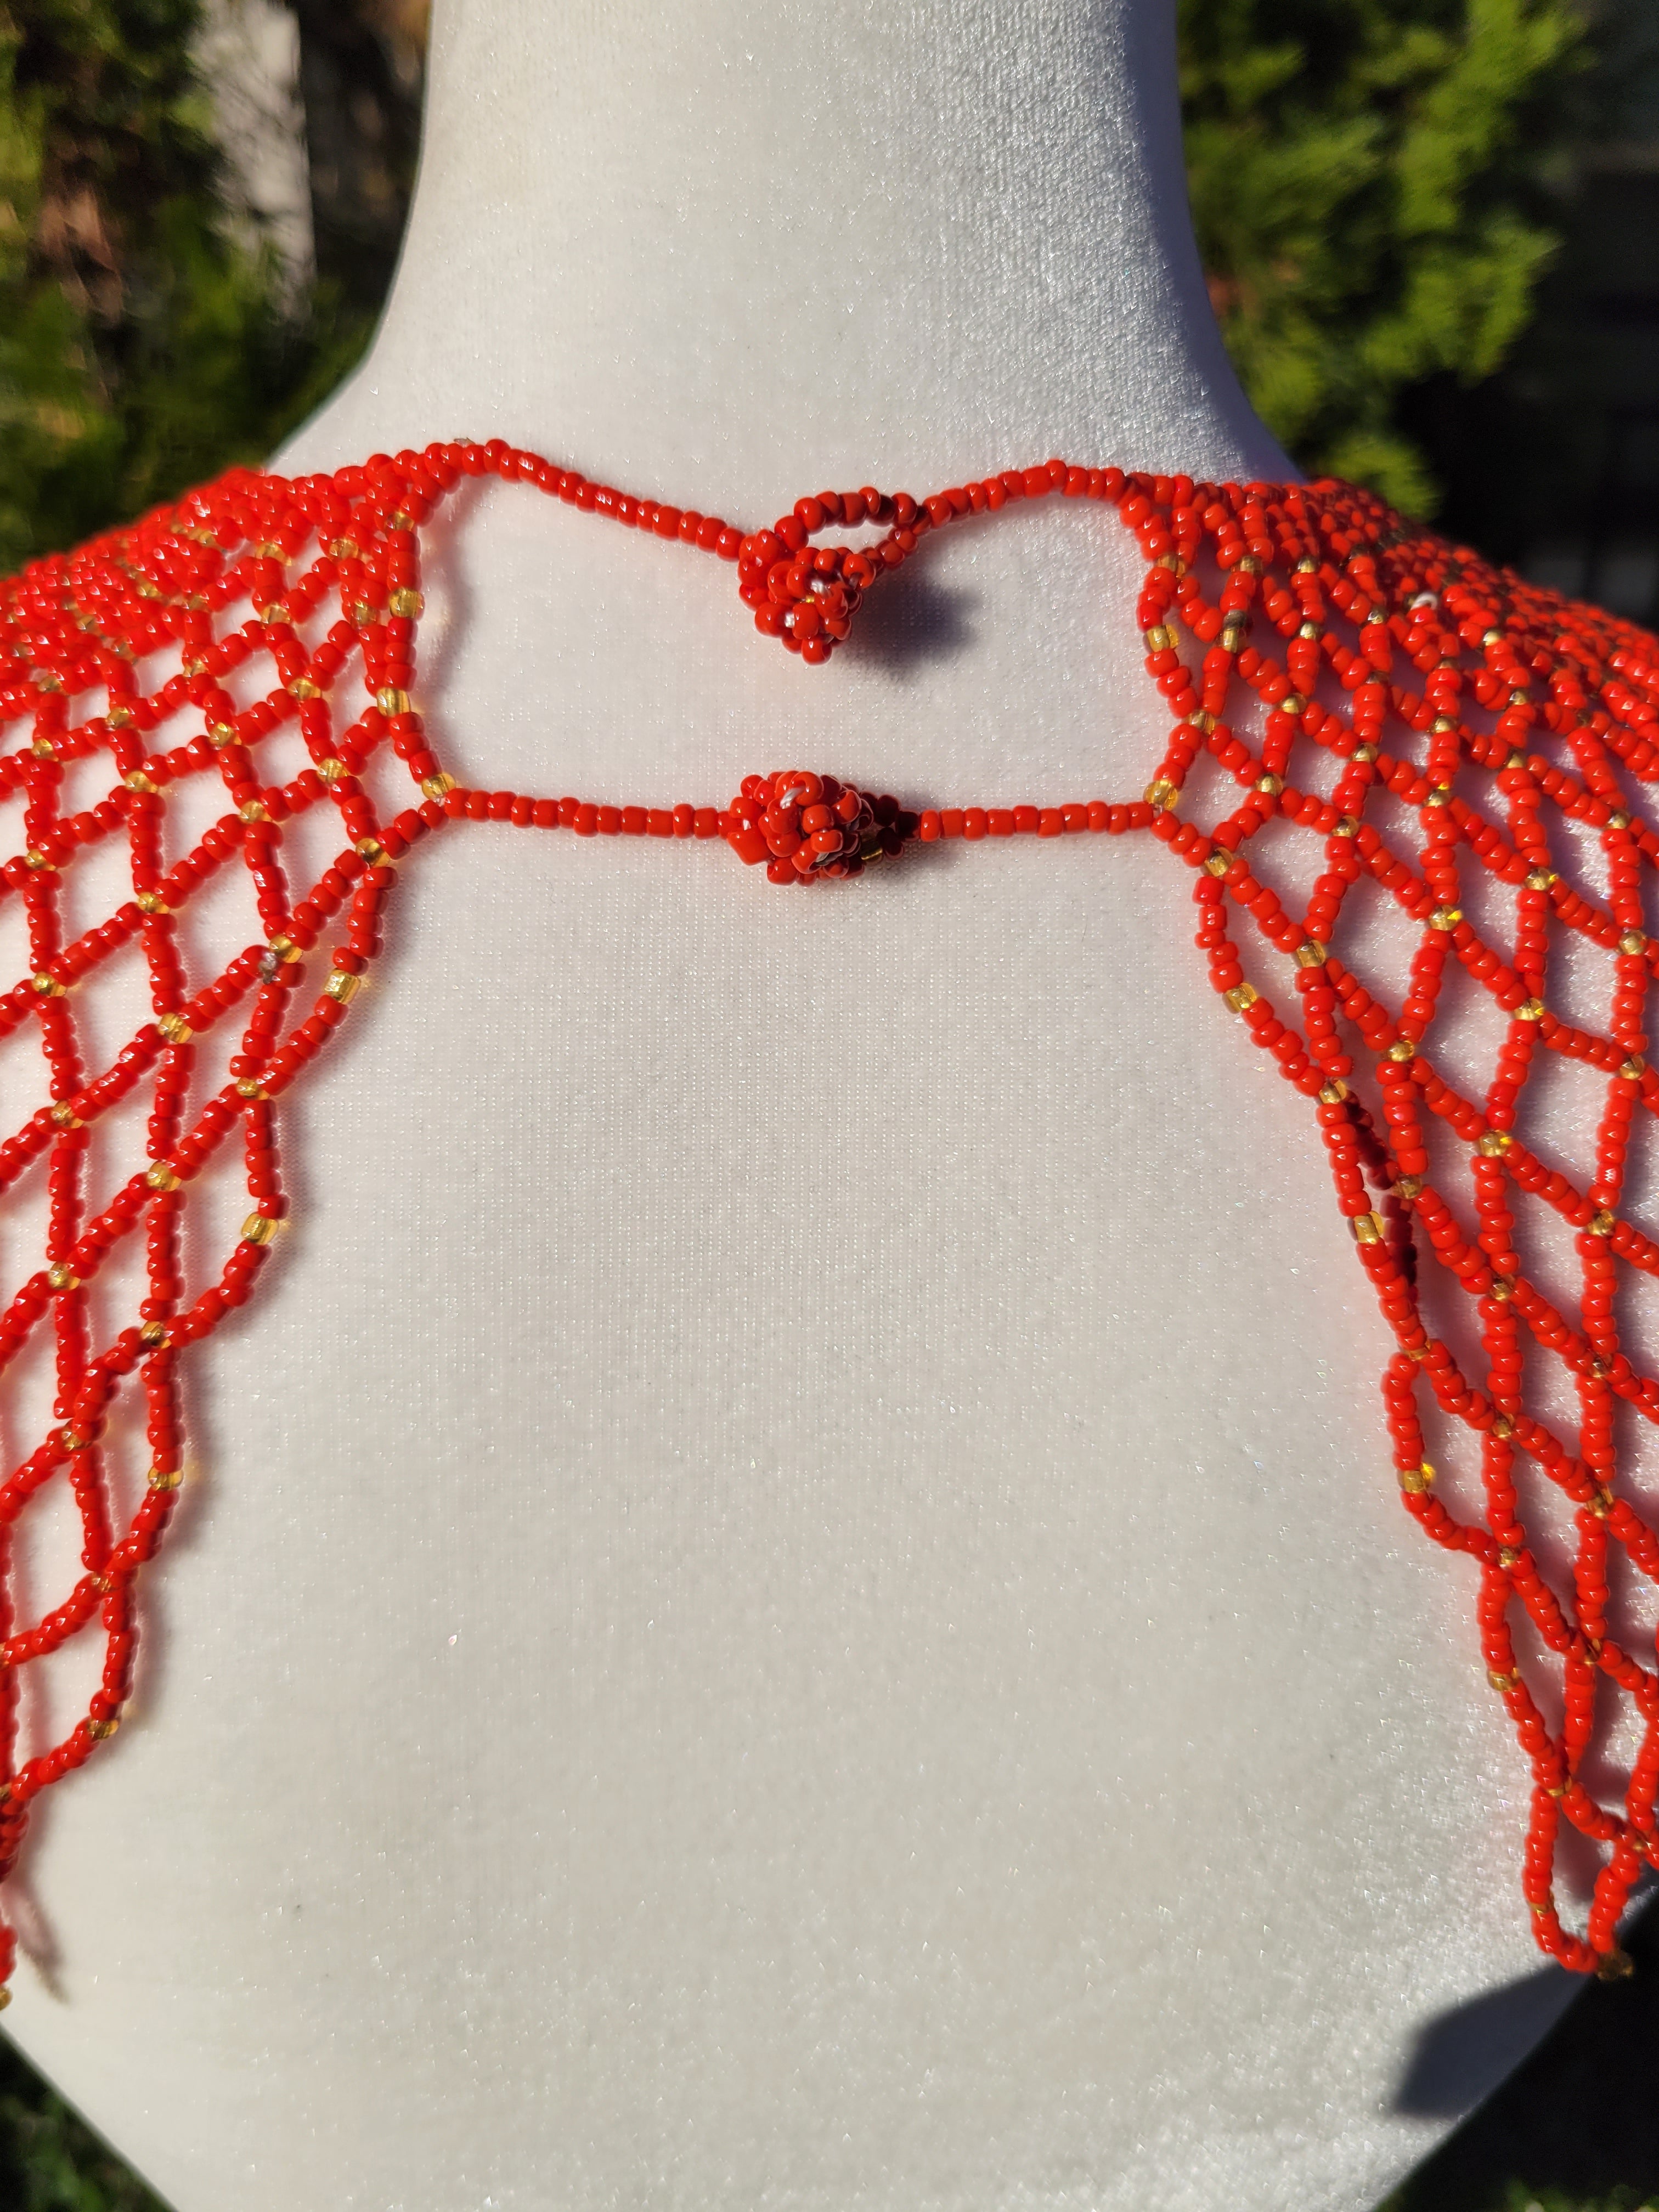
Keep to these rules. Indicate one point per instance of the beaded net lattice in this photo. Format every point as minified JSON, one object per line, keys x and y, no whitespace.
{"x":1325,"y":665}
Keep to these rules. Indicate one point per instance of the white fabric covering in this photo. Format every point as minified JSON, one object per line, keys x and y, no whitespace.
{"x":793,"y":1594}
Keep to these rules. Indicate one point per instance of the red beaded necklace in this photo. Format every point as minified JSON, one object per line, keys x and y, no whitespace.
{"x":1533,"y":708}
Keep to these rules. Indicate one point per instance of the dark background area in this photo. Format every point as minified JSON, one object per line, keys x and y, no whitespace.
{"x":1553,"y":464}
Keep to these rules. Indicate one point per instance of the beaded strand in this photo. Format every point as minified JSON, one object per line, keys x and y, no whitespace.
{"x":1552,"y":702}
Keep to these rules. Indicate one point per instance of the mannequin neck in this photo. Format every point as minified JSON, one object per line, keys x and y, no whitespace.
{"x":771,"y":247}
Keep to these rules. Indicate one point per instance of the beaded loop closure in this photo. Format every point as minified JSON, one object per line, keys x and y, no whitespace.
{"x":1526,"y":714}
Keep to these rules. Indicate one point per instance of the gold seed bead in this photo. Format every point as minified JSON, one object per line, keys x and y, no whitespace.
{"x":1495,"y":1144}
{"x":151,"y":902}
{"x":1367,"y":1228}
{"x":1539,"y":879}
{"x":1618,"y":819}
{"x":65,"y":1116}
{"x":303,"y":688}
{"x":343,"y":549}
{"x":258,"y":1228}
{"x":72,"y":1441}
{"x":1364,"y":751}
{"x":1508,"y":1684}
{"x":364,"y":613}
{"x":286,"y":949}
{"x":1516,"y":758}
{"x":254,"y":810}
{"x":1416,"y":1478}
{"x":1503,"y":1288}
{"x":1633,"y":942}
{"x":371,"y":849}
{"x":1309,"y":629}
{"x":62,"y":1277}
{"x":44,"y":748}
{"x":174,"y":1028}
{"x":1601,"y":1505}
{"x":1502,"y":1427}
{"x":1598,"y":1367}
{"x":1409,"y":1187}
{"x":102,"y":1730}
{"x":332,"y":769}
{"x":1249,"y":566}
{"x":1445,"y":917}
{"x":222,"y":733}
{"x":1162,"y":793}
{"x":1292,"y":703}
{"x":398,"y":521}
{"x":1439,"y":796}
{"x":153,"y":1334}
{"x":38,"y":861}
{"x":1529,"y":1010}
{"x":1307,"y":566}
{"x":192,"y":667}
{"x":1442,"y":725}
{"x":1346,"y":825}
{"x":120,"y":718}
{"x":1201,"y":721}
{"x":161,"y":1174}
{"x":408,"y":603}
{"x":248,"y":1088}
{"x":165,"y":1478}
{"x":136,"y":780}
{"x":1634,"y":1068}
{"x":341,"y":986}
{"x":1334,"y":1093}
{"x":1272,"y":784}
{"x":1401,"y":1051}
{"x":1492,"y":637}
{"x":1232,"y":637}
{"x":1241,"y":996}
{"x":276,"y":613}
{"x":1602,"y":1222}
{"x":1614,"y":1966}
{"x":440,"y":785}
{"x":1507,"y":1557}
{"x":1310,"y":953}
{"x":47,"y":986}
{"x":390,"y":701}
{"x":1519,"y":698}
{"x":1158,"y":640}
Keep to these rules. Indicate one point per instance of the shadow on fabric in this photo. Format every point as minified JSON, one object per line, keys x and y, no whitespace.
{"x":1580,"y":2114}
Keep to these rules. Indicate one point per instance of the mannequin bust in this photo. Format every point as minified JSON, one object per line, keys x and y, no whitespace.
{"x":795,"y":1593}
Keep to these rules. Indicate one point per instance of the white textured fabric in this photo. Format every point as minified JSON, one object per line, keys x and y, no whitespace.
{"x":794,"y":1594}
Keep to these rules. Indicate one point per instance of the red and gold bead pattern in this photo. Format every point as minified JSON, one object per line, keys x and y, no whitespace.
{"x":1364,"y":665}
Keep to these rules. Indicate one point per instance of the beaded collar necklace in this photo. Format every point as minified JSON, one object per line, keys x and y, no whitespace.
{"x":1488,"y":709}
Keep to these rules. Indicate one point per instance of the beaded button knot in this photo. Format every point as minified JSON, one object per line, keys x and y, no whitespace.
{"x":805,"y":827}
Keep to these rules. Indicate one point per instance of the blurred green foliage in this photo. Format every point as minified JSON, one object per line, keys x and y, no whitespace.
{"x":145,"y":341}
{"x":49,"y":2160}
{"x":1366,"y":187}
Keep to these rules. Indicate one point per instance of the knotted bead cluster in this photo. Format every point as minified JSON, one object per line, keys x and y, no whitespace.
{"x":1358,"y":661}
{"x":807,"y":598}
{"x":809,"y":828}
